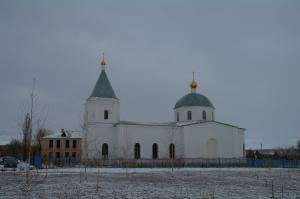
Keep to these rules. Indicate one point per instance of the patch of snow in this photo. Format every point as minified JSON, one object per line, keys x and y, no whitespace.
{"x":144,"y":183}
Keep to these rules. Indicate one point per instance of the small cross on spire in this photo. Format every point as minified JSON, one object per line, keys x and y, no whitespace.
{"x":193,"y":84}
{"x":103,"y":63}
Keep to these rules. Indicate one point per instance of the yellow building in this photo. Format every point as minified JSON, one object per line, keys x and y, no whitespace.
{"x":64,"y":145}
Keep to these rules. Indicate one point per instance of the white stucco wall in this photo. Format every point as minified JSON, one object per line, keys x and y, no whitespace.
{"x":99,"y":134}
{"x":146,"y":136}
{"x":196,"y":113}
{"x":190,"y":141}
{"x":95,"y":107}
{"x":99,"y":130}
{"x":230,"y":140}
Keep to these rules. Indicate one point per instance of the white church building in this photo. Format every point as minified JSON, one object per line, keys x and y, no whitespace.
{"x":194,"y":133}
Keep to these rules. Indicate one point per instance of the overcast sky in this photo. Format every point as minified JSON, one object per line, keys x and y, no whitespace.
{"x":245,"y":55}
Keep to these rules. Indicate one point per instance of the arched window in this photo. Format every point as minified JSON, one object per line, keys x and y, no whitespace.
{"x":213,"y":116}
{"x":172,"y":151}
{"x":137,"y":151}
{"x":189,"y":115}
{"x":154,"y":151}
{"x":204,"y":115}
{"x":104,"y":151}
{"x":106,"y":114}
{"x":177,"y":116}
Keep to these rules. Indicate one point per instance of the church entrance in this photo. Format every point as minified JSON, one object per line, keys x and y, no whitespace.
{"x":212,"y":148}
{"x":105,"y":151}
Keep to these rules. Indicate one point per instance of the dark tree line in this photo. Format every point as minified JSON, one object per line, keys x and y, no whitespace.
{"x":14,"y":148}
{"x":20,"y":149}
{"x":290,"y":153}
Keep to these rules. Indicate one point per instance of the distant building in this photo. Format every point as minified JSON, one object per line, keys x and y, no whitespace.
{"x":276,"y":153}
{"x":64,"y":145}
{"x":194,"y":133}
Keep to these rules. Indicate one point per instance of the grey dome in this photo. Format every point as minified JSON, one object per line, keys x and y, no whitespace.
{"x":193,"y":99}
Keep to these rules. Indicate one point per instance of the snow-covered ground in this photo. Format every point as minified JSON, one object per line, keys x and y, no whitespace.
{"x":152,"y":183}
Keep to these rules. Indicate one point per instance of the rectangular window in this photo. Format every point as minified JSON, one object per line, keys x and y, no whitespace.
{"x":137,"y":151}
{"x":66,"y":154}
{"x":204,"y":115}
{"x":57,"y":155}
{"x":57,"y":143}
{"x":189,"y":115}
{"x":74,"y":143}
{"x":73,"y":154}
{"x":67,"y":143}
{"x":106,"y":114}
{"x":50,"y":155}
{"x":50,"y":143}
{"x":177,"y":116}
{"x":154,"y":151}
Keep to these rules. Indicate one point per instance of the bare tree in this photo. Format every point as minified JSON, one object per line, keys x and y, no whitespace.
{"x":98,"y":171}
{"x":126,"y":153}
{"x":171,"y":152}
{"x":26,"y":129}
{"x":174,"y":149}
{"x":33,"y":118}
{"x":84,"y":148}
{"x":40,"y":133}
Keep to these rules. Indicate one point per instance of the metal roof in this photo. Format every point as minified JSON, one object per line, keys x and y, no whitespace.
{"x":146,"y":124}
{"x":209,"y":121}
{"x":103,"y":87}
{"x":174,"y":124}
{"x":68,"y":135}
{"x":193,"y":99}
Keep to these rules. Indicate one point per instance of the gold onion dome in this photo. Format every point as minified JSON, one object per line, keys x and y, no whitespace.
{"x":103,"y":63}
{"x":194,"y":84}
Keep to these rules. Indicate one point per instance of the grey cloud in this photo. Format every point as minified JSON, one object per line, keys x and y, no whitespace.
{"x":245,"y":55}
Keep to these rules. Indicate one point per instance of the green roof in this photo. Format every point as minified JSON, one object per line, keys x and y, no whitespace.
{"x":103,"y":87}
{"x":193,"y":99}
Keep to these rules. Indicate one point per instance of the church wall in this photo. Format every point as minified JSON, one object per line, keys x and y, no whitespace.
{"x":99,"y":134}
{"x":196,"y":113}
{"x":229,"y":140}
{"x":146,"y":136}
{"x":95,"y":108}
{"x":209,"y":139}
{"x":100,"y":130}
{"x":240,"y":144}
{"x":190,"y":141}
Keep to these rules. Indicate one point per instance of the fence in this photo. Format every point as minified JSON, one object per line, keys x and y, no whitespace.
{"x":148,"y":163}
{"x":273,"y":163}
{"x":182,"y":162}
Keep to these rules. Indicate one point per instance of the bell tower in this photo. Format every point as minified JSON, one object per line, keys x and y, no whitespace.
{"x":102,"y":107}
